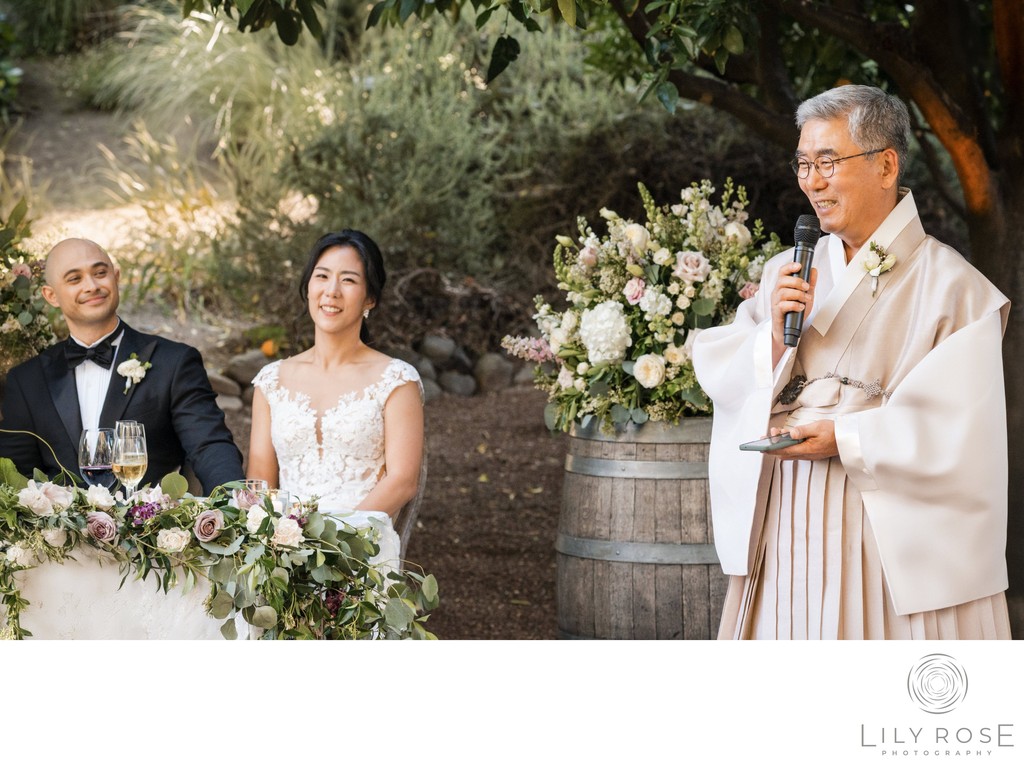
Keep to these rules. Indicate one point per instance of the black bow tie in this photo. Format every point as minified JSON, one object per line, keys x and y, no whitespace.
{"x":102,"y":353}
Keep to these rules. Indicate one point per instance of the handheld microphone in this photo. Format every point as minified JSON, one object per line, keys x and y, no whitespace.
{"x":806,"y":237}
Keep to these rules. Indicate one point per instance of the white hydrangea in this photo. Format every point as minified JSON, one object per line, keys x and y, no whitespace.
{"x":655,"y":303}
{"x":605,"y":333}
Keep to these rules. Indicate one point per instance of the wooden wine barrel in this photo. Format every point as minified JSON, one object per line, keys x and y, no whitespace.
{"x":635,"y":552}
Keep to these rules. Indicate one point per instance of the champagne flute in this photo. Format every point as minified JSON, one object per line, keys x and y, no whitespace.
{"x":96,"y":457}
{"x":130,"y":455}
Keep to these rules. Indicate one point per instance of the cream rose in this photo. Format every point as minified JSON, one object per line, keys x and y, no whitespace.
{"x":254,"y":516}
{"x":649,"y":370}
{"x":33,"y":498}
{"x":20,"y":557}
{"x":634,"y":290}
{"x":676,"y":354}
{"x":288,"y":533}
{"x":61,"y":497}
{"x":55,"y":538}
{"x":99,"y":497}
{"x":739,"y":232}
{"x":637,"y":235}
{"x":173,"y":540}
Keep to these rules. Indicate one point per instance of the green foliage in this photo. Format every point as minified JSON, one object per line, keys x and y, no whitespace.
{"x":298,"y":575}
{"x":288,"y":17}
{"x":54,"y":26}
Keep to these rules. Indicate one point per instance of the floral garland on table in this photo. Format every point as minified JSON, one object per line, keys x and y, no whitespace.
{"x":299,"y":574}
{"x":637,"y":298}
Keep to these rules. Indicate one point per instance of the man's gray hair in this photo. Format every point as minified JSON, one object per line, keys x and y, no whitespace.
{"x":875,"y":119}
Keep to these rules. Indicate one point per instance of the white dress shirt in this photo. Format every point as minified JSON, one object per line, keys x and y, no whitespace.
{"x":92,"y":381}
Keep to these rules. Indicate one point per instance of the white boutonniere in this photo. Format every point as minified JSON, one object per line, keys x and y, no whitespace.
{"x":877,"y":262}
{"x":133,"y":371}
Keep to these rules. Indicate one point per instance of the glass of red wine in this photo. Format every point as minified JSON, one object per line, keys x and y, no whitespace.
{"x":96,"y":457}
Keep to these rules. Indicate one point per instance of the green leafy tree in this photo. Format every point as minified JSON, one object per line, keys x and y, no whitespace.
{"x":959,"y":63}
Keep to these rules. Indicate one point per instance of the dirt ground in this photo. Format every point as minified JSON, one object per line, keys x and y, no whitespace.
{"x":488,"y":518}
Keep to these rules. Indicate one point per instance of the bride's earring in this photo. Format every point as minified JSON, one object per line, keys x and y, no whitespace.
{"x":366,"y":313}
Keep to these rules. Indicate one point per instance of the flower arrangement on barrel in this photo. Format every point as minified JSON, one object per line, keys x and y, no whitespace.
{"x":637,"y":298}
{"x":290,"y":571}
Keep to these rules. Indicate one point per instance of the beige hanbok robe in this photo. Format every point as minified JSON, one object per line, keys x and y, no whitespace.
{"x":903,"y":535}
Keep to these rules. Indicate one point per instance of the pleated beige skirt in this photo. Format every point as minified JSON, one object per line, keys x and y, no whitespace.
{"x":817,"y":574}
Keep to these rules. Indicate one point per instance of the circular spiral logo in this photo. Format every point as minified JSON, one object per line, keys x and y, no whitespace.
{"x":937,"y":683}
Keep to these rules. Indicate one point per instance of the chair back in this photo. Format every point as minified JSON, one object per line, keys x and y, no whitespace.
{"x":405,"y":520}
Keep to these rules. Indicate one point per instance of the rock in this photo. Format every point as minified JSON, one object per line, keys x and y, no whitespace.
{"x":437,"y":348}
{"x":430,"y":390}
{"x":457,"y":383}
{"x":243,"y":368}
{"x":493,"y":372}
{"x":230,"y":403}
{"x":524,"y":375}
{"x":222,"y":384}
{"x":460,"y":361}
{"x":426,"y":369}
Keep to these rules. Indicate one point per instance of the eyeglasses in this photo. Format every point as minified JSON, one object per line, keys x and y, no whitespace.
{"x":825,"y":166}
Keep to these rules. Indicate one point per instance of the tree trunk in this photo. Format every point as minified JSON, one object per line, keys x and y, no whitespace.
{"x":998,"y":251}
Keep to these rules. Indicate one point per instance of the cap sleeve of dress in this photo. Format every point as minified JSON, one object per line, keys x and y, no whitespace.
{"x":398,"y":373}
{"x":266,"y":379}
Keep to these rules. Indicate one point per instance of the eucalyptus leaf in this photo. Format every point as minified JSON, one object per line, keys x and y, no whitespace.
{"x":703,"y":307}
{"x":397,"y":614}
{"x":264,"y":617}
{"x":229,"y":549}
{"x":279,"y":577}
{"x":175,"y":485}
{"x":222,"y":571}
{"x":222,"y":605}
{"x":228,"y":630}
{"x":314,"y":526}
{"x":551,"y":416}
{"x":619,"y":414}
{"x":638,"y":415}
{"x":430,"y":587}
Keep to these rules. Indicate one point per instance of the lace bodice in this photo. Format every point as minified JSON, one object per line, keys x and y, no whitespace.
{"x":348,"y":464}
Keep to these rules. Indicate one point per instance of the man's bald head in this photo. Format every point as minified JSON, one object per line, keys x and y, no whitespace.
{"x":82,"y":281}
{"x":72,"y":250}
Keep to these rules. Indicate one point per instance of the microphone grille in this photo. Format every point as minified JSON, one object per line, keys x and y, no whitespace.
{"x":807,"y":230}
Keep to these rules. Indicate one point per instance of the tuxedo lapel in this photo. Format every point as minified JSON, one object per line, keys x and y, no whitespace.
{"x":117,"y":400}
{"x":64,"y":392}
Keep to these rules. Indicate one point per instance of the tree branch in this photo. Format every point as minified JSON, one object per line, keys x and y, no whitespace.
{"x":931,"y":161}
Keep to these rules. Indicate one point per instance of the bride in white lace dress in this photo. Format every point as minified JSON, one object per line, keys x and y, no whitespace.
{"x":341,"y":421}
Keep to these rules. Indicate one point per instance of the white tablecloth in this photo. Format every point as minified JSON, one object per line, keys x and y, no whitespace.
{"x":80,"y":600}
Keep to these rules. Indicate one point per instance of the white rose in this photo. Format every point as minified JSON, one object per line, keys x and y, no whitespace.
{"x":739,"y":232}
{"x":683,"y":302}
{"x":637,"y":235}
{"x":288,"y":533}
{"x":662,"y":257}
{"x":559,"y":338}
{"x":581,"y":368}
{"x":20,"y":556}
{"x":565,"y":378}
{"x":254,"y":517}
{"x":61,"y":497}
{"x":676,"y":354}
{"x":33,"y":498}
{"x":649,"y":370}
{"x":678,"y":318}
{"x":152,"y":495}
{"x":605,"y":333}
{"x":580,"y":384}
{"x":173,"y":540}
{"x":55,"y":538}
{"x":871,"y":261}
{"x":100,"y":497}
{"x":673,"y":288}
{"x":689,"y":292}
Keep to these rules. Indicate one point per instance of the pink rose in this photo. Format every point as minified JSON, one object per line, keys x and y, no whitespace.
{"x":634,"y":290}
{"x":101,"y":526}
{"x":692,"y":266}
{"x":749,"y":290}
{"x":22,"y":270}
{"x":208,"y":525}
{"x":588,"y":255}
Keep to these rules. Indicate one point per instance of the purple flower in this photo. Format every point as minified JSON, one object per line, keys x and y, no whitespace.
{"x":142,"y":513}
{"x":101,"y":526}
{"x":208,"y":525}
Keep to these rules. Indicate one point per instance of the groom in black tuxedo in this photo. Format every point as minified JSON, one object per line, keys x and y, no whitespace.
{"x":76,"y":384}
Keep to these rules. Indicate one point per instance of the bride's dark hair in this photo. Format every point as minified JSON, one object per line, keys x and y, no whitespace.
{"x":369,"y":254}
